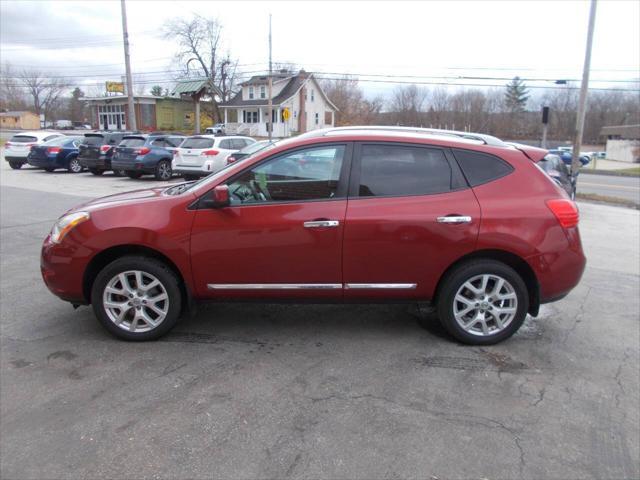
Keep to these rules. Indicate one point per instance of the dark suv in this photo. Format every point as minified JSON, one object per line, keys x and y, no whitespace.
{"x":138,"y":155}
{"x":96,"y":150}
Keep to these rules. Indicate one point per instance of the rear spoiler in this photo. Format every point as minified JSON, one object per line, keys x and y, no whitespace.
{"x":534,"y":154}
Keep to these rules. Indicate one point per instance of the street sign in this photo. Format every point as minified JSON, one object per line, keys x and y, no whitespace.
{"x":114,"y":87}
{"x":286,"y":114}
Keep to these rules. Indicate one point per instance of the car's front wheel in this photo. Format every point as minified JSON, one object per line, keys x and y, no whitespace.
{"x":137,"y":298}
{"x":482,"y":302}
{"x":15,"y":165}
{"x":74,"y":166}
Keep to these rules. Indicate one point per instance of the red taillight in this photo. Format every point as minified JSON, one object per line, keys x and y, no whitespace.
{"x":565,"y":211}
{"x":105,"y":148}
{"x":7,"y":144}
{"x":53,"y":150}
{"x":230,"y":160}
{"x":210,"y":153}
{"x":143,"y":150}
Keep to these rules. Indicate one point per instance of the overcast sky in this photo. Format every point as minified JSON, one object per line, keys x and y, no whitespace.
{"x":538,"y":39}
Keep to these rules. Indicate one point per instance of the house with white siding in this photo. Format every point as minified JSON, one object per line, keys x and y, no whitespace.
{"x":299,"y":105}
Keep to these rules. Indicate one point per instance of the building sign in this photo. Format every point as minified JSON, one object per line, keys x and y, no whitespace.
{"x":114,"y":87}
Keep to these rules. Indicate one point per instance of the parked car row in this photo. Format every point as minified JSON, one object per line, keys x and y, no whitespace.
{"x":131,"y":154}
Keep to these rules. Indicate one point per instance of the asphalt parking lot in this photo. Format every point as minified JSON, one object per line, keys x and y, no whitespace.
{"x":254,"y":391}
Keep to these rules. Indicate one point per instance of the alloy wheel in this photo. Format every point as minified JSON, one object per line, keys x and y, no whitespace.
{"x":164,"y":170}
{"x":74,"y":166}
{"x":485,"y":305}
{"x":135,"y":301}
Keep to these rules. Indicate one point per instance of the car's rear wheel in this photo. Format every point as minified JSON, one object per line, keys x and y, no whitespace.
{"x":119,"y":173}
{"x":482,"y":302}
{"x":74,"y":166}
{"x":163,"y":170}
{"x":15,"y":165}
{"x":133,"y":174}
{"x":136,"y":298}
{"x":96,"y":171}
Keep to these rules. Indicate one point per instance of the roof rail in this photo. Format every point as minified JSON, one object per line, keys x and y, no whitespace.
{"x":486,"y":139}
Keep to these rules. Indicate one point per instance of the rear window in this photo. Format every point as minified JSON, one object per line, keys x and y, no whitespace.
{"x":132,"y":142}
{"x":23,"y":139}
{"x":197,"y":142}
{"x":58,"y":141}
{"x":399,"y":170}
{"x":174,"y":141}
{"x":481,"y":168}
{"x":93,"y":140}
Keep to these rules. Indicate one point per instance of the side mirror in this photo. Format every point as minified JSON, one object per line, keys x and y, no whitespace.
{"x":217,"y":198}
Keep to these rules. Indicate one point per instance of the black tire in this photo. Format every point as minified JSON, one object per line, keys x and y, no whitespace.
{"x":96,"y":171}
{"x":15,"y":165}
{"x":133,"y":174}
{"x":163,"y":170}
{"x":189,"y":178}
{"x":160,"y":271}
{"x":455,"y":279}
{"x":74,"y":166}
{"x":119,"y":173}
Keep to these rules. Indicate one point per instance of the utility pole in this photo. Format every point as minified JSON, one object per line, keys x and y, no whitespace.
{"x":131,"y":124}
{"x":582,"y":105}
{"x":270,"y":119}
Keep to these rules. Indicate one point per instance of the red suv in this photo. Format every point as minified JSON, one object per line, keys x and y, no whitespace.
{"x":464,"y":222}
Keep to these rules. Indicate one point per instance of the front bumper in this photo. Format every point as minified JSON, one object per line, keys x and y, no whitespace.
{"x":62,"y":270}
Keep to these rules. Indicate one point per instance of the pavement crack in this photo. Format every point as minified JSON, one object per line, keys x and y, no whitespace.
{"x":577,"y":318}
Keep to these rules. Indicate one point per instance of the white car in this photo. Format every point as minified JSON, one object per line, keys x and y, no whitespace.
{"x":201,"y":155}
{"x":19,"y":146}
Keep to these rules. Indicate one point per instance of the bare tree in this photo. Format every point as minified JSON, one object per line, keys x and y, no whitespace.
{"x":45,"y":90}
{"x":199,"y":41}
{"x":12,"y":92}
{"x":408,"y":104}
{"x":353,"y":107}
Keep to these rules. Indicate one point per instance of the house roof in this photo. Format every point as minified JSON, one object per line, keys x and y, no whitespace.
{"x":294,"y":84}
{"x":631,"y":132}
{"x":193,"y":85}
{"x":15,"y":113}
{"x":262,"y":79}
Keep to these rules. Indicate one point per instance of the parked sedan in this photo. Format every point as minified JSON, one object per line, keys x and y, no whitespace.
{"x":60,"y":152}
{"x":248,"y":150}
{"x":201,"y":155}
{"x":141,"y":155}
{"x":17,"y":149}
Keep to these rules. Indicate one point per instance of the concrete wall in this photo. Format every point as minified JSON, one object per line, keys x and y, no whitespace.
{"x":624,"y":150}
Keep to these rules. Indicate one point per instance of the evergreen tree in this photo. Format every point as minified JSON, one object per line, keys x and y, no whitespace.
{"x":517,"y":95}
{"x":76,"y":105}
{"x":156,"y":90}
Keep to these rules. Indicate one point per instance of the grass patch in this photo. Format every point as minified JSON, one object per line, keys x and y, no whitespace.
{"x":624,"y":172}
{"x":594,"y":197}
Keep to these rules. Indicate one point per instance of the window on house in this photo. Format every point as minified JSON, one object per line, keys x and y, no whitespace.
{"x":263,"y":92}
{"x":317,"y":118}
{"x":249,"y":116}
{"x":313,"y":95}
{"x":250,"y":93}
{"x":327,"y":118}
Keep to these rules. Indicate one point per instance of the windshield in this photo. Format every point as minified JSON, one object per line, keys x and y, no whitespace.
{"x":197,"y":142}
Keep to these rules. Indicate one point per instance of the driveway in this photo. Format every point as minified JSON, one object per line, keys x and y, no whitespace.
{"x":254,"y":391}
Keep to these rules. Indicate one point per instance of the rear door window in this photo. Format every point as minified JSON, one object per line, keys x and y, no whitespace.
{"x":481,"y":168}
{"x":197,"y":143}
{"x":396,"y":170}
{"x":227,"y":144}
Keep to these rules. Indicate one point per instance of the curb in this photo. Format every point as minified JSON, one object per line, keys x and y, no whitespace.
{"x":611,"y":173}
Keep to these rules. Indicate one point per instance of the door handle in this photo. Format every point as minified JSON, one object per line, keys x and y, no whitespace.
{"x":321,"y":224}
{"x":454,"y":219}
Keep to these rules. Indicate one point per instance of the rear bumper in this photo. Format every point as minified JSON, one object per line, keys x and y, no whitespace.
{"x":100,"y":163}
{"x":190,"y":170}
{"x":45,"y":162}
{"x":15,"y":159}
{"x":132,"y":165}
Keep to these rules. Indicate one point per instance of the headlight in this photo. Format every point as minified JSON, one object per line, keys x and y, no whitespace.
{"x":66,"y":224}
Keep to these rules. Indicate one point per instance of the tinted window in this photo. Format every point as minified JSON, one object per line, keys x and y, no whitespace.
{"x":174,"y":141}
{"x":94,"y":140}
{"x":115,"y":139}
{"x":159,"y":142}
{"x":132,"y":142}
{"x":197,"y":142}
{"x":227,"y":144}
{"x":50,"y":137}
{"x":58,"y":141}
{"x":23,"y":139}
{"x":480,"y":167}
{"x":310,"y":174}
{"x":400,"y":170}
{"x":239,"y":143}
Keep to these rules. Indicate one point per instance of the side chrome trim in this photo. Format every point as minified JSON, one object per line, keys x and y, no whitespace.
{"x":391,"y":286}
{"x":274,"y":286}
